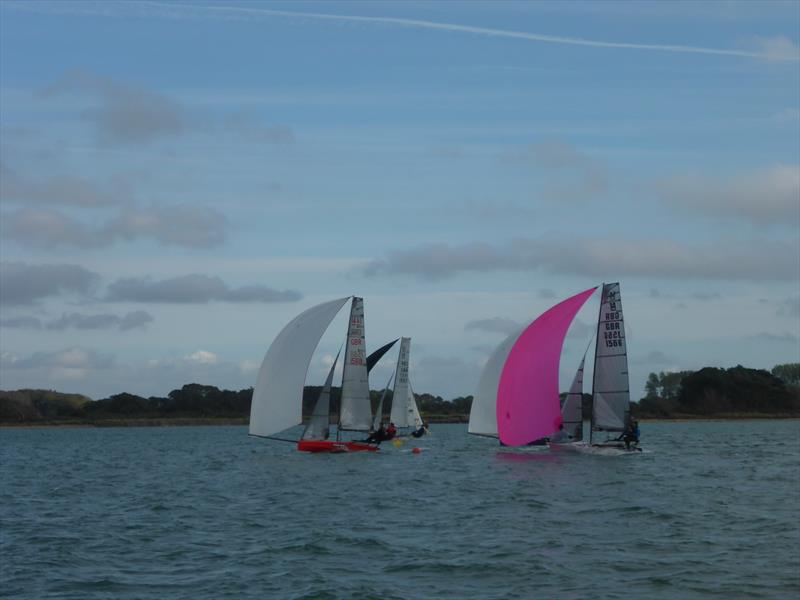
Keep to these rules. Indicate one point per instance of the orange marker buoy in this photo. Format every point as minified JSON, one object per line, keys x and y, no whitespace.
{"x":416,"y":451}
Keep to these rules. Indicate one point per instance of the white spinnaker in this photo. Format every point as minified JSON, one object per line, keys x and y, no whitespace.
{"x":355,"y":412}
{"x":610,"y":389}
{"x":400,"y":414}
{"x":572,"y":411}
{"x":278,"y":395}
{"x":483,"y":413}
{"x":319,"y":426}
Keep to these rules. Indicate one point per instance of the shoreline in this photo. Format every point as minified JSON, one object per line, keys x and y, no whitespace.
{"x":244,"y":421}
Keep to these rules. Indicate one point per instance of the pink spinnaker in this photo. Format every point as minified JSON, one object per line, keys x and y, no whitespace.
{"x":528,"y":407}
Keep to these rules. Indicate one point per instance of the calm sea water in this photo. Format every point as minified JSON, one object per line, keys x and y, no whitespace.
{"x":207,"y":512}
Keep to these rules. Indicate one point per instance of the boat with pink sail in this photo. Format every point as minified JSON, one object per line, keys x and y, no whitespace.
{"x":520,"y":381}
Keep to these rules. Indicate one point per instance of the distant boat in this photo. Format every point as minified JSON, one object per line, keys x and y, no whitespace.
{"x":404,"y":413}
{"x":572,"y":409}
{"x":517,"y":397}
{"x":277,"y":397}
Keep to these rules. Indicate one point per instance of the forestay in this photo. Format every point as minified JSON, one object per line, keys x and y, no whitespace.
{"x":483,"y":413}
{"x":528,"y":407}
{"x":355,"y":412}
{"x":610,"y":388}
{"x":277,"y":397}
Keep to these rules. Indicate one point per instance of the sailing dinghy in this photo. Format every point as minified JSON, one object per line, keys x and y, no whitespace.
{"x":611,"y":396}
{"x":278,"y":395}
{"x":610,"y":387}
{"x":404,"y":413}
{"x":517,"y":396}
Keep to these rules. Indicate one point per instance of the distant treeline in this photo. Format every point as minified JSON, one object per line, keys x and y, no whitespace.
{"x":192,"y":401}
{"x":721,"y":392}
{"x":708,"y":392}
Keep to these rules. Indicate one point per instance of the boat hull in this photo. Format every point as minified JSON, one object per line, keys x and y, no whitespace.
{"x":334,"y":447}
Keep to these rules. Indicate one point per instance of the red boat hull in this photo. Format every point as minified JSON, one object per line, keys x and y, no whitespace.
{"x":334,"y":447}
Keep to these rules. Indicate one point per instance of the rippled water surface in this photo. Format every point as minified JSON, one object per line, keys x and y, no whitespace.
{"x":207,"y":512}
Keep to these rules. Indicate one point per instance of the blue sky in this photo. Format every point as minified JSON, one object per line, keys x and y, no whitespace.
{"x":180,"y":179}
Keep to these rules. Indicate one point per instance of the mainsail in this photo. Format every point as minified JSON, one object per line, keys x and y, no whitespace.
{"x":572,"y":411}
{"x":412,"y":409}
{"x":483,"y":412}
{"x":404,"y":407}
{"x":277,"y":397}
{"x":528,"y":407}
{"x":376,"y":422}
{"x":355,"y":412}
{"x":610,"y":388}
{"x":319,"y":426}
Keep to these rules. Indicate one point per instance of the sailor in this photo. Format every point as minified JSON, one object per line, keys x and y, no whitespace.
{"x":560,"y":436}
{"x":391,"y":431}
{"x":631,"y":434}
{"x":376,"y":437}
{"x":423,"y":429}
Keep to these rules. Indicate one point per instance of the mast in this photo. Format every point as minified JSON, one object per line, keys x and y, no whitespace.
{"x":594,"y":368}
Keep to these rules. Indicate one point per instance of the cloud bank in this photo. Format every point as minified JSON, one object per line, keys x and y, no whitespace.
{"x":768,"y":196}
{"x":193,"y":289}
{"x":754,"y":260}
{"x":123,"y":114}
{"x":21,"y":283}
{"x":181,"y":225}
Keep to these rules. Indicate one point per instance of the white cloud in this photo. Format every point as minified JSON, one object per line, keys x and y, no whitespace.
{"x":494,"y":325}
{"x":203,"y":357}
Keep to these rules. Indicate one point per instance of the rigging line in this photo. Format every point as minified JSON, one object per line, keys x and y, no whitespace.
{"x":272,"y":437}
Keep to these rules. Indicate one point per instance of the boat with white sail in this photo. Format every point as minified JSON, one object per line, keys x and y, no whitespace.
{"x":277,"y":396}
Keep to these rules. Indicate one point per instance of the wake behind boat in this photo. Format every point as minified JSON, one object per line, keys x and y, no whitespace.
{"x":277,"y":397}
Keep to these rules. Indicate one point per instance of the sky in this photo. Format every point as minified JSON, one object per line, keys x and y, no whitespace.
{"x":180,"y":179}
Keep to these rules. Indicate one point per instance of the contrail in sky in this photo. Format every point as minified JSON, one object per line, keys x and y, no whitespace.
{"x":784,"y":48}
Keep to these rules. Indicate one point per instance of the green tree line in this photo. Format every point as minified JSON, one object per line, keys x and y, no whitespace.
{"x":709,"y":391}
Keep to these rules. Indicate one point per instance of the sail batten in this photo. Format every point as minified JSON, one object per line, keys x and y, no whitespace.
{"x":528,"y":406}
{"x":277,"y":396}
